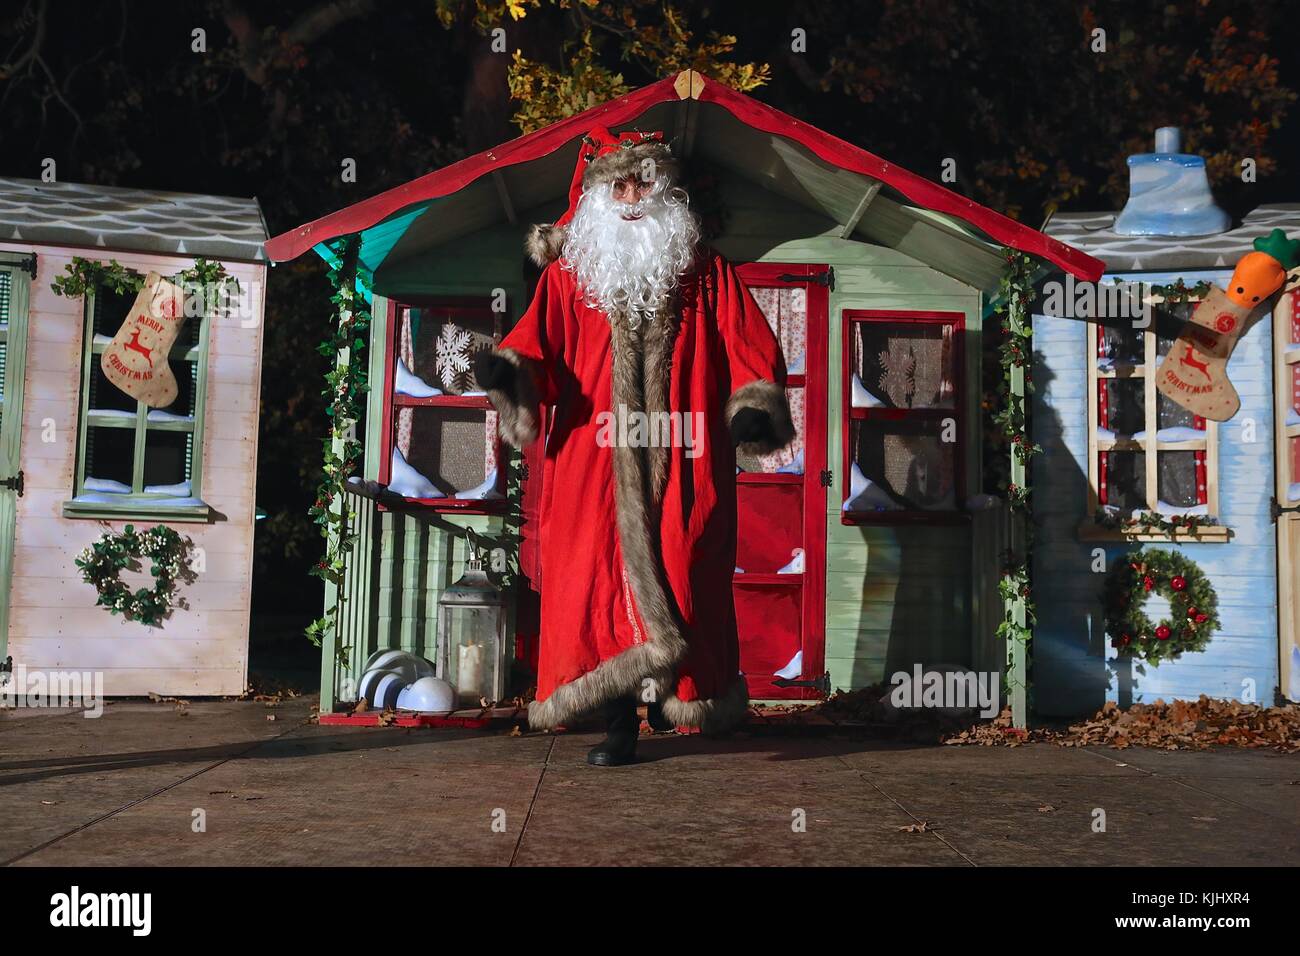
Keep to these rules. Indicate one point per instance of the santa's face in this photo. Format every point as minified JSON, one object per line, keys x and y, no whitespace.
{"x":630,"y":242}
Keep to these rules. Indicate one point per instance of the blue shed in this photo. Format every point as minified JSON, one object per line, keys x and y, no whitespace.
{"x":1114,"y":448}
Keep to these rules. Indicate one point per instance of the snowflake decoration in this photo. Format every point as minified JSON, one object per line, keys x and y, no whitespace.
{"x":898,"y":378}
{"x":452,"y":354}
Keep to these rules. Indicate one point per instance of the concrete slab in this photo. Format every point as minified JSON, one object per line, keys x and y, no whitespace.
{"x":222,"y":785}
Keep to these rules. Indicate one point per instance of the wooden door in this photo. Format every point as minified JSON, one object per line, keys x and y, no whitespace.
{"x":14,"y":284}
{"x":781,"y":501}
{"x":1286,"y":508}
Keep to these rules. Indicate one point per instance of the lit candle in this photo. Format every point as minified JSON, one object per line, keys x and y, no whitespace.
{"x":469,"y":673}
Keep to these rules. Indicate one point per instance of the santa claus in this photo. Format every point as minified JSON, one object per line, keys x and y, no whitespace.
{"x":634,"y":318}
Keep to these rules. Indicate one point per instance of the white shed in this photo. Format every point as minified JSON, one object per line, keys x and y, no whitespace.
{"x":79,"y":456}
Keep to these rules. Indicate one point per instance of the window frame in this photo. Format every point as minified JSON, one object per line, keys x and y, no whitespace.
{"x":1150,"y":446}
{"x":138,"y":504}
{"x":849,"y":415}
{"x":392,"y":402}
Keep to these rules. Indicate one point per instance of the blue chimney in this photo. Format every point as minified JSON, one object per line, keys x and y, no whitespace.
{"x":1169,"y":194}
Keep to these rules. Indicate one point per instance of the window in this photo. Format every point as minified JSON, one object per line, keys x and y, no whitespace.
{"x":1146,"y":452}
{"x":440,"y":448}
{"x":133,"y":460}
{"x":903,"y":437}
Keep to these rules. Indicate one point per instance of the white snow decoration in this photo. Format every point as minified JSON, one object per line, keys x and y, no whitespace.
{"x":793,"y":669}
{"x":1165,"y":508}
{"x":739,"y":570}
{"x":1292,"y":417}
{"x":795,"y":565}
{"x":487,"y":491}
{"x":866,"y":495}
{"x":178,"y":490}
{"x":158,"y":415}
{"x":473,"y":394}
{"x":861,"y":397}
{"x":1105,"y":365}
{"x":797,"y":366}
{"x":106,"y":486}
{"x":111,"y":413}
{"x":101,"y":339}
{"x":794,"y":468}
{"x":428,"y":695}
{"x":1293,"y":684}
{"x":1293,"y":492}
{"x":1293,"y":347}
{"x":408,"y":482}
{"x":388,"y":673}
{"x":1139,"y":435}
{"x":1180,"y":433}
{"x":1105,"y":434}
{"x":452,"y":359}
{"x":407,"y":382}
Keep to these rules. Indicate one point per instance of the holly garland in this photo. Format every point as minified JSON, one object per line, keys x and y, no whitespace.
{"x":102,"y":564}
{"x":346,"y":387}
{"x":1152,"y":522}
{"x":86,"y":275}
{"x":1010,"y":417}
{"x":1193,"y":606}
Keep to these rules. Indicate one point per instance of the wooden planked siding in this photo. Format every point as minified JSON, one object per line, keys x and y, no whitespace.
{"x":199,"y":651}
{"x":1075,"y":669}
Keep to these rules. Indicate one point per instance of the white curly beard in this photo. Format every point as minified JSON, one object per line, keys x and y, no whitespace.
{"x":631,"y":266}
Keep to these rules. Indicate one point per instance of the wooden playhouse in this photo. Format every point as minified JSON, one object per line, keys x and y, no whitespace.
{"x":1114,"y":445}
{"x":878,"y":284}
{"x":79,"y":457}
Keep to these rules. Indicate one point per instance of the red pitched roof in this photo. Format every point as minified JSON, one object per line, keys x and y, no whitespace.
{"x":625,"y":109}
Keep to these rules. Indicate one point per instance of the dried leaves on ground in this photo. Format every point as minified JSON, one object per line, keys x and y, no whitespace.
{"x":1177,"y":725}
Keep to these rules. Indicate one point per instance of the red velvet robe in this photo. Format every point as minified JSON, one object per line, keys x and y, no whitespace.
{"x":638,"y":545}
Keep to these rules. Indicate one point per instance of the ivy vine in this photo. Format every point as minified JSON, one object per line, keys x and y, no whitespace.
{"x":345,"y":388}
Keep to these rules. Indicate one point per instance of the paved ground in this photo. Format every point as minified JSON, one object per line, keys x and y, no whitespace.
{"x":126,"y":789}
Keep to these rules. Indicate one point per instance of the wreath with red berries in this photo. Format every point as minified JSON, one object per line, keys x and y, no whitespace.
{"x":1193,"y":606}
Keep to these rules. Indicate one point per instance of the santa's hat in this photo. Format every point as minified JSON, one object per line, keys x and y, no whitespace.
{"x":603,"y":158}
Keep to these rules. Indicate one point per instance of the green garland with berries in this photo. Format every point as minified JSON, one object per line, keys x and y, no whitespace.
{"x":1193,"y":606}
{"x":1152,"y":522}
{"x":1009,"y":415}
{"x":87,"y":275}
{"x":102,"y":564}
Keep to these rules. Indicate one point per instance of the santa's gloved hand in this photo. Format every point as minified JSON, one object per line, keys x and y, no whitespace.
{"x":491,"y":371}
{"x":749,"y":425}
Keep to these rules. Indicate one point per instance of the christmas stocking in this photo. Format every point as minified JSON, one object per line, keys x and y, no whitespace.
{"x":1194,"y":373}
{"x":136,"y":361}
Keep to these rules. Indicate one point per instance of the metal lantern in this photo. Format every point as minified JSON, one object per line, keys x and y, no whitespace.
{"x":472,"y":634}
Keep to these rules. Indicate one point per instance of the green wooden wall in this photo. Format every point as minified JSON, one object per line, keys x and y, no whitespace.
{"x":895,"y":594}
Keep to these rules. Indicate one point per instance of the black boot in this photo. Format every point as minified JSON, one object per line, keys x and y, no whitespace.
{"x":622,"y":726}
{"x":654,"y":716}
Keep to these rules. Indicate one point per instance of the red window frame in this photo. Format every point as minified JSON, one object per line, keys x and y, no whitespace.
{"x":850,"y":415}
{"x":470,"y":305}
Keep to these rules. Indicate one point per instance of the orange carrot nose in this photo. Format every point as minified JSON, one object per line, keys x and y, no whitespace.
{"x":1257,"y":276}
